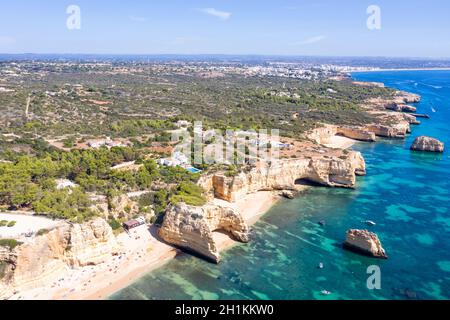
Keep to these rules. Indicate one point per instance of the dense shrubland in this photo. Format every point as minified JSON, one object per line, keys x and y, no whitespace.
{"x":29,"y":182}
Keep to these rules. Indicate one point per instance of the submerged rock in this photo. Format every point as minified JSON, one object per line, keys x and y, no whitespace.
{"x":428,"y":144}
{"x":364,"y":242}
{"x":406,"y":293}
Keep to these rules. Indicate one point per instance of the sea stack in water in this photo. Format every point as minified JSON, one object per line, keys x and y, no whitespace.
{"x":364,"y":242}
{"x":428,"y":144}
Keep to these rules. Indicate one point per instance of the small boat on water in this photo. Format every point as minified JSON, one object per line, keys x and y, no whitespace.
{"x":321,"y":266}
{"x":322,"y":223}
{"x":370,"y":223}
{"x":432,"y":108}
{"x":325,"y":292}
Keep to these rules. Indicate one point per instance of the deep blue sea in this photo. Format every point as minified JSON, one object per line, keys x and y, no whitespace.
{"x":406,"y":193}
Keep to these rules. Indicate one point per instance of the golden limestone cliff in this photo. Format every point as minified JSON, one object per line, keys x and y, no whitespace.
{"x":406,"y":97}
{"x":355,"y":133}
{"x":47,"y":257}
{"x":397,"y":130}
{"x":393,"y":115}
{"x":391,"y":125}
{"x":365,"y":242}
{"x":325,"y":132}
{"x":424,"y":143}
{"x":121,"y":208}
{"x":191,"y":228}
{"x":392,"y":119}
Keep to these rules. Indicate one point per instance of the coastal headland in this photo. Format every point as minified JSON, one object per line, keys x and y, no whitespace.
{"x":87,"y":261}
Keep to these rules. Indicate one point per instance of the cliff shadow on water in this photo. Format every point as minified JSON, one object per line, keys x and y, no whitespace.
{"x":405,"y":193}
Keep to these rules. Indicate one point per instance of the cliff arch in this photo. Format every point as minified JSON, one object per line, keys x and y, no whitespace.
{"x":192,"y":228}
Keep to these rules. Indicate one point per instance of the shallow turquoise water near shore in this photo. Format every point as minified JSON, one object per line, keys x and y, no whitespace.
{"x":405,"y":193}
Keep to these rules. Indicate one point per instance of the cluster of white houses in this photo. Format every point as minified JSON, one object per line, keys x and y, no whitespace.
{"x":177,"y":159}
{"x":250,"y":137}
{"x":97,"y":144}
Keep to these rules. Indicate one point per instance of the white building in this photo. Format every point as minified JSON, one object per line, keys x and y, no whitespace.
{"x":177,"y":159}
{"x":64,"y":184}
{"x":183,"y":124}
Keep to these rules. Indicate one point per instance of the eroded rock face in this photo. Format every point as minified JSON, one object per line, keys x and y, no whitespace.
{"x":357,"y":134}
{"x":120,"y":207}
{"x":412,"y":119}
{"x":401,"y":108}
{"x":287,"y":194}
{"x":428,"y":144}
{"x":285,"y":174}
{"x":47,"y":257}
{"x":192,"y":228}
{"x":90,"y":243}
{"x":396,"y":123}
{"x":206,"y":182}
{"x":324,"y":134}
{"x":406,"y":97}
{"x":364,"y":242}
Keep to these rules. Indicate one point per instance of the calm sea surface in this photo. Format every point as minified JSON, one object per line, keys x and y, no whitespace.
{"x":405,"y":193}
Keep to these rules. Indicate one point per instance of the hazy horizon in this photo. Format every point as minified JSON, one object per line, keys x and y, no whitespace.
{"x":400,"y":29}
{"x":222,"y":54}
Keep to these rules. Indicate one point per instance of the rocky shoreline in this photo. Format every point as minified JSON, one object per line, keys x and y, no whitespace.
{"x":192,"y":228}
{"x":45,"y":259}
{"x":365,"y":243}
{"x":318,"y":164}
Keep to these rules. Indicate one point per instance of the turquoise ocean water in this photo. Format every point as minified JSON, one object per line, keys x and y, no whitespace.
{"x":405,"y":193}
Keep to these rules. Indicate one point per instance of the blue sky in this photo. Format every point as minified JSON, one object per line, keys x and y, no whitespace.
{"x":280,"y":27}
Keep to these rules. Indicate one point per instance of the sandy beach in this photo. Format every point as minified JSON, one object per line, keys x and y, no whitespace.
{"x":24,"y":224}
{"x":144,"y":253}
{"x":338,"y":142}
